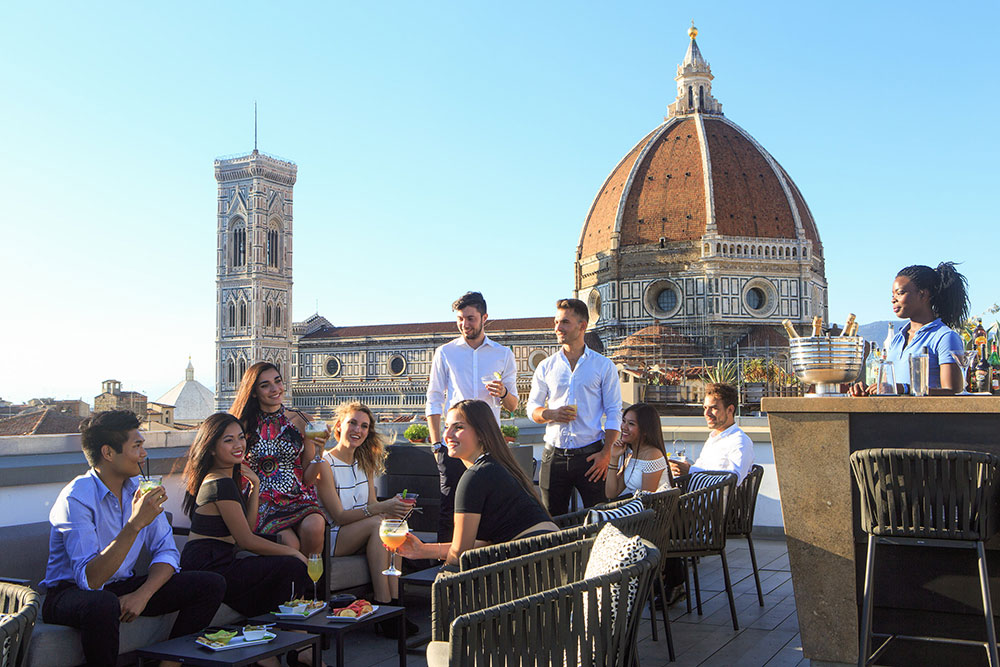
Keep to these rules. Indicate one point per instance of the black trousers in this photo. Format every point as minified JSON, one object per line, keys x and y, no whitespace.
{"x":564,"y":470}
{"x":195,"y":595}
{"x":255,"y":585}
{"x":450,"y":471}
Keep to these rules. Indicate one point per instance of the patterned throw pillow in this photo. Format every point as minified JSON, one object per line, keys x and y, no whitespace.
{"x":633,"y":506}
{"x":612,"y":551}
{"x":703,"y":480}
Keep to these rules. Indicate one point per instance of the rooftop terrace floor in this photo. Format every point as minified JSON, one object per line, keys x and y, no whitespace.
{"x":768,"y":635}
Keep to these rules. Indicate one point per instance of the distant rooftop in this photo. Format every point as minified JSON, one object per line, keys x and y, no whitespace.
{"x":42,"y":422}
{"x":429,"y":328}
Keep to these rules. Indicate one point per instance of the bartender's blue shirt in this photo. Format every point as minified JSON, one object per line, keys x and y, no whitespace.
{"x":940,"y":342}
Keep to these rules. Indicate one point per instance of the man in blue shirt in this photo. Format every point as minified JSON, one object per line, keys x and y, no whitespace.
{"x":100,"y":522}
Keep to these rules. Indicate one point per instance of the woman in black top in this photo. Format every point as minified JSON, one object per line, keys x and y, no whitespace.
{"x":221,"y":518}
{"x":494,"y":501}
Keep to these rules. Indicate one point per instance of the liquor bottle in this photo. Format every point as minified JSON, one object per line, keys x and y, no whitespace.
{"x":994,"y":361}
{"x":979,"y":337}
{"x":792,"y":333}
{"x":888,"y":341}
{"x":983,"y":373}
{"x":871,"y":366}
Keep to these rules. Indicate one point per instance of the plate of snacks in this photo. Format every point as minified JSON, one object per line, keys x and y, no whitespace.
{"x":223,"y":640}
{"x":354,"y":612}
{"x":300,"y":608}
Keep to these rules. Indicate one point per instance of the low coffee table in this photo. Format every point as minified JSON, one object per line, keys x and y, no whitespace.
{"x":425,"y":578}
{"x":185,"y":650}
{"x":320,"y":624}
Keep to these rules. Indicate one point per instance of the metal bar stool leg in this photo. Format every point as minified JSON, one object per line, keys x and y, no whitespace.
{"x":984,"y":580}
{"x":756,"y":572}
{"x":866,"y":607}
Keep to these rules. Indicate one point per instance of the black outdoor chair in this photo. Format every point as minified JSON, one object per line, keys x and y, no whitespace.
{"x":698,"y":528}
{"x":926,"y":498}
{"x":741,"y":512}
{"x":18,"y":611}
{"x":518,"y":611}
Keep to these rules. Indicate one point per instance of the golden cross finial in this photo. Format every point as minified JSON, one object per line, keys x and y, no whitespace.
{"x":692,"y":31}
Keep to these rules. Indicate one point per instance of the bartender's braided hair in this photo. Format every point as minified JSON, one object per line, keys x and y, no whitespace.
{"x":948,"y":289}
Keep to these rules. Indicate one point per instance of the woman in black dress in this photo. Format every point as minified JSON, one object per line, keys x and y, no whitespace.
{"x":494,"y":501}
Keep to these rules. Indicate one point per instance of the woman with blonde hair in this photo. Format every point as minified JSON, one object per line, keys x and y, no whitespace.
{"x":346,"y":488}
{"x":494,"y":501}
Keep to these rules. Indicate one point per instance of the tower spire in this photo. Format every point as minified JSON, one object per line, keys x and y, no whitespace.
{"x":255,"y":124}
{"x":694,"y":83}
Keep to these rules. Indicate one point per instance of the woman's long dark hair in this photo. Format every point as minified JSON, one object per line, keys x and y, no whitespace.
{"x":948,"y":288}
{"x":650,"y":431}
{"x":479,"y":417}
{"x":246,"y":407}
{"x":201,"y":457}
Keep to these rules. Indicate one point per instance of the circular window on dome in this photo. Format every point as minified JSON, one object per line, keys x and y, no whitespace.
{"x":536,"y":357}
{"x":333,"y":366}
{"x":663,"y":298}
{"x":594,"y":305}
{"x":760,"y":297}
{"x":397,"y":364}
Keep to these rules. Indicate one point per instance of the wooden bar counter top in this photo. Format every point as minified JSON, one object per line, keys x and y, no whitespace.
{"x":922,"y":591}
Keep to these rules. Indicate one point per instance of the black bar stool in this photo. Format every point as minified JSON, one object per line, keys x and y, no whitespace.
{"x":933,"y":498}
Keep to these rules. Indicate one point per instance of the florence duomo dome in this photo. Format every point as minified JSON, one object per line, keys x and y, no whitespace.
{"x":700,"y":229}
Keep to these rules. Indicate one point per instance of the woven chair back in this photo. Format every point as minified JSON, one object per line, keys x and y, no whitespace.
{"x":699,"y":524}
{"x":744,"y":503}
{"x":18,"y":611}
{"x":576,"y":518}
{"x":567,"y":625}
{"x":633,"y":524}
{"x":937,"y":494}
{"x":664,"y":505}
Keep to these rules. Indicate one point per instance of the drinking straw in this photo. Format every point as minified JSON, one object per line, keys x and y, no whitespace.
{"x":147,"y":467}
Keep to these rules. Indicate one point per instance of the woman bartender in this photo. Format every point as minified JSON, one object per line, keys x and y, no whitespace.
{"x":936,"y":302}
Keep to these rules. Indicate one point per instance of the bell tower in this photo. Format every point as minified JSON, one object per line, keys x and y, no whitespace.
{"x":254,"y":268}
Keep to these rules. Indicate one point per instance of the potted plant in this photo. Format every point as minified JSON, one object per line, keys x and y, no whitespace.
{"x":416,"y":433}
{"x":755,"y":375}
{"x":724,"y":372}
{"x":510,"y":432}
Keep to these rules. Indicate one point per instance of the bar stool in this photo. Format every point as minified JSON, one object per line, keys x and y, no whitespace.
{"x":928,"y":498}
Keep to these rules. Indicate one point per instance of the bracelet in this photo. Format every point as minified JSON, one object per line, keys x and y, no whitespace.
{"x":611,"y":467}
{"x":364,"y":508}
{"x":505,"y":392}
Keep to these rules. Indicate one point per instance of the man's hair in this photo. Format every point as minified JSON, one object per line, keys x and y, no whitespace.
{"x":724,"y":392}
{"x":474,"y":299}
{"x":106,"y":428}
{"x":578,"y":307}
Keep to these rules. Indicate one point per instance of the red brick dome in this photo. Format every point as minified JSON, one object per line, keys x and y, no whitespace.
{"x":694,"y":174}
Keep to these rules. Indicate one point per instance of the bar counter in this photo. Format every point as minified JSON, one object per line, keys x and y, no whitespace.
{"x":929,"y":590}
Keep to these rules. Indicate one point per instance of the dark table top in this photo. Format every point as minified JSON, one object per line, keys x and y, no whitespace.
{"x":425,"y":577}
{"x":185,"y":650}
{"x":321,"y":624}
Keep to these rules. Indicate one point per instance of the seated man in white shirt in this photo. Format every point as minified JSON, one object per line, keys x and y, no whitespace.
{"x":728,"y":448}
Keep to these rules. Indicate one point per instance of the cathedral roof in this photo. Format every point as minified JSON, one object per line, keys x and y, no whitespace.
{"x":493,"y":327}
{"x":697,"y":173}
{"x":191,"y":399}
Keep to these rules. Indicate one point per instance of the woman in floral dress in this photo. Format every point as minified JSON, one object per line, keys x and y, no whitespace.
{"x":280,"y":456}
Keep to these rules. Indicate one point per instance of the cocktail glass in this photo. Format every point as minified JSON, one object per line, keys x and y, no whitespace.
{"x":315,"y":570}
{"x":316,"y":428}
{"x":150,"y":482}
{"x":964,"y":360}
{"x":887,"y":379}
{"x":393,"y":534}
{"x":486,"y":380}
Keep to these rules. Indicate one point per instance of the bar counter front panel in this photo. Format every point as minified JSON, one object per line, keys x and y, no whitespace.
{"x":929,"y":591}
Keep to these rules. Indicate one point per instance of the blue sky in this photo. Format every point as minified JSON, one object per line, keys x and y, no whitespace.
{"x":444,"y":147}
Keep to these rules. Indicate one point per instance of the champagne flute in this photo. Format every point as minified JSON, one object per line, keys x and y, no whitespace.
{"x":393,"y":534}
{"x":315,"y":570}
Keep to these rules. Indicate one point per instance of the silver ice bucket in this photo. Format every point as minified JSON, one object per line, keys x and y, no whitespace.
{"x":827,"y":361}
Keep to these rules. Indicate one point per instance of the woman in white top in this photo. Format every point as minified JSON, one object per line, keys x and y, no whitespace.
{"x":346,"y":488}
{"x":638,"y":459}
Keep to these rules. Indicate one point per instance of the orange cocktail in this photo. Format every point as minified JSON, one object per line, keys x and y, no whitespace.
{"x":393,"y":534}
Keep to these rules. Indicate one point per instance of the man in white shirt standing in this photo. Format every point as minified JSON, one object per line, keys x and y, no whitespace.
{"x":571,"y":392}
{"x":728,"y":448}
{"x":457,"y":373}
